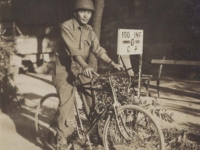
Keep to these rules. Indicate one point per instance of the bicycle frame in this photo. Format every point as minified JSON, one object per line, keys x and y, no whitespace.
{"x":112,"y":109}
{"x":115,"y":110}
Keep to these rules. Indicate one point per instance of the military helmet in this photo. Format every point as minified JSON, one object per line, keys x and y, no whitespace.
{"x":84,"y":4}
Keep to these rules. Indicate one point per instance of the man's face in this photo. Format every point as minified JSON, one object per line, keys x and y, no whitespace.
{"x":83,"y":16}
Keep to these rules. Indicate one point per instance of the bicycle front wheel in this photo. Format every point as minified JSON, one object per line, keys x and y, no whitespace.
{"x":45,"y":120}
{"x":136,"y":130}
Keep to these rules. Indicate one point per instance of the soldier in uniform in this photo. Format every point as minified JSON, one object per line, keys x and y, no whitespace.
{"x":79,"y":40}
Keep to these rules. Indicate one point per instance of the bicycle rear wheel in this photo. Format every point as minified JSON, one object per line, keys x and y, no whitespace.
{"x":137,"y":130}
{"x":44,"y":120}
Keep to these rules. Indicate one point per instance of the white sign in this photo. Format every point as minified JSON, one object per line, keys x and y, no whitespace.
{"x":130,"y":42}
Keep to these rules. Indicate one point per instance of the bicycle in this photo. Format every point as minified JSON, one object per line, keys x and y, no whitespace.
{"x":121,"y":123}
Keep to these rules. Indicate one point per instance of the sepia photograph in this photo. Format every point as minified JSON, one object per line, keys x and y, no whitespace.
{"x":99,"y":75}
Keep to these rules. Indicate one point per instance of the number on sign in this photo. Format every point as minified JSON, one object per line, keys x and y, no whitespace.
{"x":125,"y":34}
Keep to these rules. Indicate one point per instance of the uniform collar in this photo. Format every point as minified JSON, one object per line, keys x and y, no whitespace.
{"x":76,"y":25}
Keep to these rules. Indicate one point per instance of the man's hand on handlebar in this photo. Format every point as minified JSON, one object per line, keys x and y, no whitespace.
{"x":87,"y":71}
{"x":117,"y":66}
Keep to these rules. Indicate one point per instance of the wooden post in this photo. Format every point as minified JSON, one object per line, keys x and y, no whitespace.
{"x":140,"y":73}
{"x":1,"y":88}
{"x":14,"y":30}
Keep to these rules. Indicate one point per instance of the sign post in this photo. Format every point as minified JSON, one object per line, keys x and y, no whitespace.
{"x":130,"y":42}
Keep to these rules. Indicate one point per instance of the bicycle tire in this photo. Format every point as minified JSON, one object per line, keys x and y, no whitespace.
{"x":138,"y":133}
{"x":45,"y":112}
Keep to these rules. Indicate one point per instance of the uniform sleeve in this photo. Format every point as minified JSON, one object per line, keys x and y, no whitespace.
{"x":69,"y":39}
{"x":95,"y":47}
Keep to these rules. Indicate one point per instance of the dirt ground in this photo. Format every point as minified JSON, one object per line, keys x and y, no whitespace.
{"x":17,"y":131}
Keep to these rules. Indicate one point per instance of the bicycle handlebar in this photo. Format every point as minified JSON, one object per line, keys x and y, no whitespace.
{"x":112,"y":74}
{"x":96,"y":74}
{"x":106,"y":74}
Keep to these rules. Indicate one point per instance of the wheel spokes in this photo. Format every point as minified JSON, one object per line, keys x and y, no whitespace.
{"x":136,"y":130}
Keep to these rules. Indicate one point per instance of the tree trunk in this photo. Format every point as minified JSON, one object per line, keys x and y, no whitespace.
{"x":99,"y":6}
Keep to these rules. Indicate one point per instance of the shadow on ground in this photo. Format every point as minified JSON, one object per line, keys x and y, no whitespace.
{"x":25,"y":124}
{"x":180,"y":89}
{"x":192,"y":126}
{"x":24,"y":120}
{"x":183,"y":109}
{"x":39,"y":78}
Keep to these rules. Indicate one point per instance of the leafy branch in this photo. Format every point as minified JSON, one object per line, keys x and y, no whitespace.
{"x":7,"y":88}
{"x":126,"y":95}
{"x":181,"y":139}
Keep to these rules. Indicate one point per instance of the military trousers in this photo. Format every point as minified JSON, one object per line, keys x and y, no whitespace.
{"x":65,"y":87}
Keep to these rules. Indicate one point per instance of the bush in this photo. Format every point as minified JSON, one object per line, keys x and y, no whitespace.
{"x":8,"y":91}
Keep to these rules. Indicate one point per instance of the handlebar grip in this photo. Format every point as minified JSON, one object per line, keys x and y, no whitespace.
{"x":96,"y":74}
